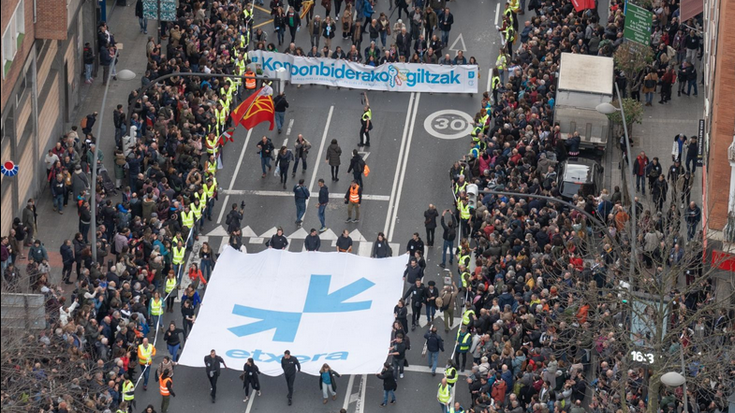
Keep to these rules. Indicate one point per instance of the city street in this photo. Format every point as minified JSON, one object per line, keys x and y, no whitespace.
{"x":416,"y":138}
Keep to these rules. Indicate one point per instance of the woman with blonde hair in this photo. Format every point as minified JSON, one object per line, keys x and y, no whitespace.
{"x":327,"y":382}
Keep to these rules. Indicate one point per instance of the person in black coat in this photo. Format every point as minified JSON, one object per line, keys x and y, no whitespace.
{"x":278,"y":241}
{"x":290,"y":366}
{"x":211,"y":363}
{"x":417,"y":292}
{"x":67,"y":258}
{"x":328,"y":382}
{"x":389,"y":384}
{"x":415,"y":243}
{"x":250,"y":378}
{"x":430,"y":216}
{"x":312,"y":241}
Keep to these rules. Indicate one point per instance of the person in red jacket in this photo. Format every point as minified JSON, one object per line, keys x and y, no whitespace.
{"x":639,"y":170}
{"x":500,"y":387}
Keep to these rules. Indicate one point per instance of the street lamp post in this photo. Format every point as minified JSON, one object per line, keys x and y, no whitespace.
{"x":607,"y":108}
{"x":93,"y":195}
{"x":674,"y":379}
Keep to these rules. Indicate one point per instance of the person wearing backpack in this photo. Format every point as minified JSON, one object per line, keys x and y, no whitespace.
{"x":649,"y":86}
{"x":357,"y":166}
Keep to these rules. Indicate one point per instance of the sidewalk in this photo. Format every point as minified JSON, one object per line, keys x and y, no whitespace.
{"x":54,"y":228}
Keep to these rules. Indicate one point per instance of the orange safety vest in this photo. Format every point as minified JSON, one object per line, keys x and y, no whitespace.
{"x":355,"y":195}
{"x":249,"y":80}
{"x":163,"y":383}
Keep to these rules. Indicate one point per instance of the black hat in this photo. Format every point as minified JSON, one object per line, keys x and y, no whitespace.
{"x":432,"y":283}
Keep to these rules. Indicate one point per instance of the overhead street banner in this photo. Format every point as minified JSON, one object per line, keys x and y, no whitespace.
{"x":325,"y":307}
{"x":397,"y":77}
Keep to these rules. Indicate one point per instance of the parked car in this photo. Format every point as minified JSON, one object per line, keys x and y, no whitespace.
{"x":580,"y":176}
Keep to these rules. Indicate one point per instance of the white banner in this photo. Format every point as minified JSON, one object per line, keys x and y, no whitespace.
{"x":399,"y":77}
{"x":334,"y":308}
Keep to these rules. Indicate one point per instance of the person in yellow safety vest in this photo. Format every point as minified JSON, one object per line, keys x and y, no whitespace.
{"x":122,"y":408}
{"x":169,"y":285}
{"x":502,"y":63}
{"x":457,"y":408}
{"x":178,"y":256}
{"x":464,"y":276}
{"x":510,"y":14}
{"x":515,"y":6}
{"x":211,"y":143}
{"x":450,"y":373}
{"x":155,"y":307}
{"x":465,"y":216}
{"x":210,"y":188}
{"x":211,"y":166}
{"x":464,"y":341}
{"x":128,"y":394}
{"x":177,"y":239}
{"x":468,"y":317}
{"x":220,"y":117}
{"x":496,"y":83}
{"x":187,"y":221}
{"x":460,"y":185}
{"x":224,"y":90}
{"x":443,"y":395}
{"x":463,"y":256}
{"x":250,"y":82}
{"x":146,"y":352}
{"x":196,"y":207}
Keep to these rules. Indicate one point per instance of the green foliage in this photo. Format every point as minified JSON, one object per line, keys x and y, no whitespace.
{"x":632,"y":57}
{"x":633,"y":112}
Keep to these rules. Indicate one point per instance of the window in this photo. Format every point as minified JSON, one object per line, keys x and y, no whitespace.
{"x":13,"y":36}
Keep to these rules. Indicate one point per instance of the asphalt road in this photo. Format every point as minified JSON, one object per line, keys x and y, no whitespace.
{"x":415,"y":139}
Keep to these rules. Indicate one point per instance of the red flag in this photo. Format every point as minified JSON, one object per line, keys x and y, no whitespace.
{"x":580,"y":5}
{"x":255,"y":109}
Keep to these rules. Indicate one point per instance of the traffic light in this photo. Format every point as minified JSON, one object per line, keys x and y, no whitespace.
{"x":472,"y":192}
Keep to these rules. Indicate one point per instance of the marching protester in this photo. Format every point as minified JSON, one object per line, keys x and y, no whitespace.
{"x":327,"y":382}
{"x":250,"y":378}
{"x":290,"y":366}
{"x":212,"y":365}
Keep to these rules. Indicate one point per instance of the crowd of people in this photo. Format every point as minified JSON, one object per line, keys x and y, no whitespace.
{"x":538,"y":336}
{"x":422,"y":38}
{"x":521,"y":261}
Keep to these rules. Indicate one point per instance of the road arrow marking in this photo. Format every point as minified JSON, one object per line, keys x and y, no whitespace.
{"x":219,"y":231}
{"x":328,"y":235}
{"x":364,"y":155}
{"x":248,"y":232}
{"x":319,"y":300}
{"x":365,"y":249}
{"x":298,"y":234}
{"x":460,"y":40}
{"x":357,"y":236}
{"x":286,"y":324}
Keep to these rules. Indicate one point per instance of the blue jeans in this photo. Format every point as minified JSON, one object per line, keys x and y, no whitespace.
{"x":146,"y":373}
{"x":649,"y":97}
{"x":143,"y":22}
{"x":433,"y":360}
{"x":174,"y":351}
{"x":59,"y":202}
{"x":300,"y":209}
{"x":265,"y":162}
{"x":177,"y":272}
{"x":692,"y":82}
{"x":88,"y":71}
{"x":279,"y":119}
{"x":445,"y":37}
{"x":206,"y":267}
{"x":157,"y":320}
{"x":387,"y":393}
{"x":383,"y":37}
{"x":640,"y":183}
{"x":447,"y":246}
{"x":444,"y":408}
{"x":430,"y":312}
{"x":322,"y":218}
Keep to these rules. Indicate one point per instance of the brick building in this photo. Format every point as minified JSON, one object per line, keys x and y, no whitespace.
{"x":42,"y":43}
{"x":719,"y":135}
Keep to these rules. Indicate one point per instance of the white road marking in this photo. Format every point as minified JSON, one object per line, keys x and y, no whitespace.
{"x":319,"y":155}
{"x":290,"y":125}
{"x":489,"y":79}
{"x":389,"y":234}
{"x":250,"y":402}
{"x":365,"y":249}
{"x":449,"y":124}
{"x":259,"y":192}
{"x":348,"y":393}
{"x":497,"y":13}
{"x":459,"y":40}
{"x":360,"y":406}
{"x":409,"y":112}
{"x":234,"y":176}
{"x":219,"y":231}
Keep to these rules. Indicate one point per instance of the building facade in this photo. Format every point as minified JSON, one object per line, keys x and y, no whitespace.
{"x":42,"y":66}
{"x":718,"y":173}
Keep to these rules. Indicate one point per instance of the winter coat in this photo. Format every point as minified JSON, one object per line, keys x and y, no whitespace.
{"x":332,"y":377}
{"x":389,"y":380}
{"x":651,"y":76}
{"x":333,"y":154}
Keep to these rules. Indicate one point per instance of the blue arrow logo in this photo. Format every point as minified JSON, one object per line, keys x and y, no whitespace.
{"x":319,"y":300}
{"x":286,"y":324}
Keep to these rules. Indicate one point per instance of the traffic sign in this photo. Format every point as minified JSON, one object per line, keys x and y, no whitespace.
{"x":449,"y":124}
{"x":637,"y":24}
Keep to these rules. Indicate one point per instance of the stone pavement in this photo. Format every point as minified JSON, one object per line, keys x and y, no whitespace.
{"x":54,"y":228}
